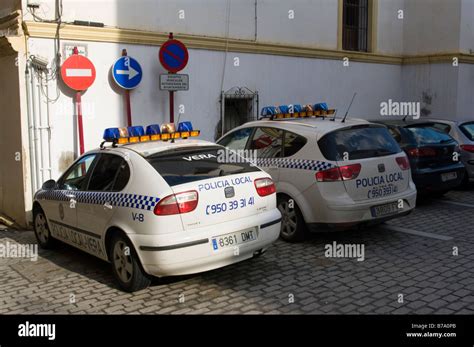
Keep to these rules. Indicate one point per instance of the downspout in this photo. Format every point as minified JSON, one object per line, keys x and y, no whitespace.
{"x":30,"y":128}
{"x":255,"y":21}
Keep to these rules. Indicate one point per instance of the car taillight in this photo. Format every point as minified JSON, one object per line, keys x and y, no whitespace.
{"x":468,"y":148}
{"x":264,"y":186}
{"x":342,"y":173}
{"x":403,"y":163}
{"x":177,"y":203}
{"x":422,"y":152}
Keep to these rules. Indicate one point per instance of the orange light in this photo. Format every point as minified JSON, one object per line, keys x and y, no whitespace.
{"x":175,"y":135}
{"x":144,"y":138}
{"x":122,"y":140}
{"x":156,"y":137}
{"x":195,"y":133}
{"x":134,"y":139}
{"x":165,"y":136}
{"x":331,"y":111}
{"x":185,"y":134}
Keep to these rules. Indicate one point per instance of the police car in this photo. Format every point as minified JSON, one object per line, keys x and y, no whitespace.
{"x":327,"y":171}
{"x":159,"y":203}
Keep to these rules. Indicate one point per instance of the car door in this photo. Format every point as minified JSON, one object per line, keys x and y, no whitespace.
{"x":96,"y":208}
{"x":267,"y":144}
{"x":62,"y":211}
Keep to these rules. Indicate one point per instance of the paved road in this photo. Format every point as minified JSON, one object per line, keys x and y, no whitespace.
{"x":409,"y":267}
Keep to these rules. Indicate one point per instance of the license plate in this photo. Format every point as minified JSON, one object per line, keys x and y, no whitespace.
{"x":384,"y":210}
{"x":449,"y":176}
{"x":234,"y":239}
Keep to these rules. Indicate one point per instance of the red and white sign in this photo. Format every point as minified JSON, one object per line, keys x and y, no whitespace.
{"x":78,"y":72}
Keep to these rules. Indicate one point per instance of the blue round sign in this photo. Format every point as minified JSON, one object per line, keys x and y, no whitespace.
{"x":127,"y":72}
{"x":173,"y":55}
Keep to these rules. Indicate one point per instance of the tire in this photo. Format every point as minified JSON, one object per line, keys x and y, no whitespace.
{"x":41,"y":229}
{"x":293,"y":226}
{"x":126,"y":266}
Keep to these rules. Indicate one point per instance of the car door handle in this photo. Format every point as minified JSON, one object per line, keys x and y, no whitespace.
{"x":108,"y":205}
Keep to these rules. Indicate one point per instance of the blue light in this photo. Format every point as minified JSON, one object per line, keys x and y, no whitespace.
{"x":268,"y":111}
{"x":111,"y":134}
{"x":297,"y":108}
{"x":153,"y":129}
{"x":284,"y":109}
{"x":185,"y":126}
{"x":136,"y":131}
{"x":322,"y":106}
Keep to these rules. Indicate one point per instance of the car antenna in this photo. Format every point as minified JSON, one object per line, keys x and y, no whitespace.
{"x":345,"y":116}
{"x":404,"y":118}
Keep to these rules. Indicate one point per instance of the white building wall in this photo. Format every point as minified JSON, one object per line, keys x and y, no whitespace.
{"x":467,"y":26}
{"x":435,"y":86}
{"x":431,"y":26}
{"x":390,"y":27}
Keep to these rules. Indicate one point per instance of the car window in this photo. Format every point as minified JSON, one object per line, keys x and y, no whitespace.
{"x":75,"y":177}
{"x":267,"y":142}
{"x":236,"y":140}
{"x":468,"y":130}
{"x":445,"y":128}
{"x":358,"y":143}
{"x":293,"y":143}
{"x":105,"y":172}
{"x":423,"y":135}
{"x":395,"y":134}
{"x":122,"y":177}
{"x":190,"y":165}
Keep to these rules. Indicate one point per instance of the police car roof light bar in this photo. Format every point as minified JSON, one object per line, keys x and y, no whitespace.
{"x":296,"y":111}
{"x":153,"y":132}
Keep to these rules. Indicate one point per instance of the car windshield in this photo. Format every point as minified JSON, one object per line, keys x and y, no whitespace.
{"x":181,"y":166}
{"x":468,"y":130}
{"x":358,"y":143}
{"x":427,"y":135}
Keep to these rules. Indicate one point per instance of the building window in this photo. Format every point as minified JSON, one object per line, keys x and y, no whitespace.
{"x":355,"y":23}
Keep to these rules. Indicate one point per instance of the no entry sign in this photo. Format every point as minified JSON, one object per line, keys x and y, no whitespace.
{"x":78,"y":72}
{"x":173,"y":55}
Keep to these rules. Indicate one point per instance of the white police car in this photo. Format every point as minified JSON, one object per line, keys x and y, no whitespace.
{"x":327,"y":172}
{"x":159,"y":208}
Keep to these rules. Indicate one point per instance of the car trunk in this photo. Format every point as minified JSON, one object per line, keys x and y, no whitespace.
{"x":225,"y":184}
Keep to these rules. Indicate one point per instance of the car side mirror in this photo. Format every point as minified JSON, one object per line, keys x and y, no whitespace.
{"x":49,"y":184}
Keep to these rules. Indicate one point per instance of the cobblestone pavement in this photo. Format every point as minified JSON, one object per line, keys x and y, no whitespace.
{"x":412,"y":256}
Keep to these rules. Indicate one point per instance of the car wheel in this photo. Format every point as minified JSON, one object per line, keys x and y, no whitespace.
{"x":126,"y":266}
{"x":42,"y":233}
{"x":293,"y":226}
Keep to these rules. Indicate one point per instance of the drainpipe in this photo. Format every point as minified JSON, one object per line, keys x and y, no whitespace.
{"x":34,"y":140}
{"x":48,"y":128}
{"x":39,"y":131}
{"x":30,"y":129}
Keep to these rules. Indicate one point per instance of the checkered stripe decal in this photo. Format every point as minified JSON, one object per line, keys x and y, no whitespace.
{"x":137,"y":201}
{"x":289,"y":163}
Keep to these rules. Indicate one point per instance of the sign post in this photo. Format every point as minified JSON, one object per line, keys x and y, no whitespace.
{"x":127,"y":73}
{"x":173,"y":57}
{"x":78,"y":73}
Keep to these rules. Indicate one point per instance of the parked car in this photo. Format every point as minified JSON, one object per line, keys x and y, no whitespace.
{"x":158,"y":208}
{"x":463,"y":133}
{"x":434,"y":155}
{"x":329,"y":173}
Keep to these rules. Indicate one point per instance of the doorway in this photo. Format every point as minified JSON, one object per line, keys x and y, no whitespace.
{"x":239,"y":105}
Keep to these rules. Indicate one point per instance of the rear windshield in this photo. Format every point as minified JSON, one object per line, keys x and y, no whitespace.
{"x":468,"y":130}
{"x":426,"y":135}
{"x":189,"y":165}
{"x":358,"y":143}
